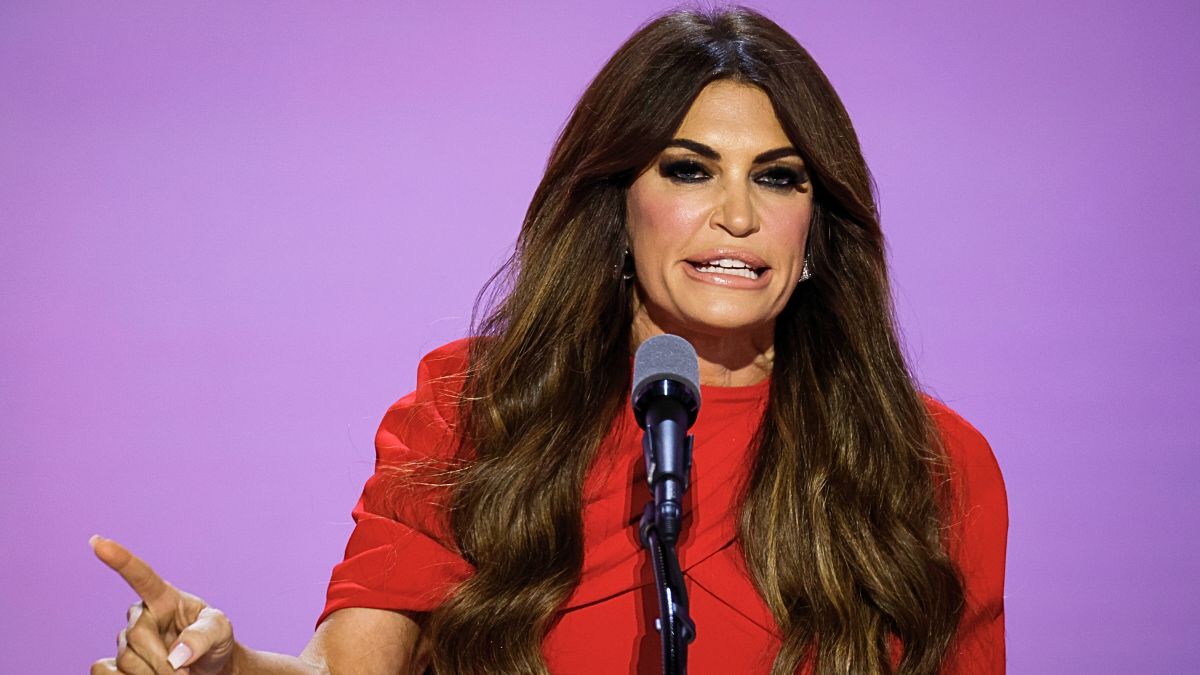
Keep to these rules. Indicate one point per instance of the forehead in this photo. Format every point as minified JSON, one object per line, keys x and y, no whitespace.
{"x":732,"y":114}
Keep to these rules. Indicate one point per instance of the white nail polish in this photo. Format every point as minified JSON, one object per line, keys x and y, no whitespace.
{"x":179,"y":655}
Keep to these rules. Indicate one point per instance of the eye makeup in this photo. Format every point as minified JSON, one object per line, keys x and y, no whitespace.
{"x":689,"y":171}
{"x":783,"y":177}
{"x":683,"y":170}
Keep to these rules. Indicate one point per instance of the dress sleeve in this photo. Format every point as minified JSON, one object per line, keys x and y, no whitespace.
{"x":978,"y":539}
{"x":401,"y":554}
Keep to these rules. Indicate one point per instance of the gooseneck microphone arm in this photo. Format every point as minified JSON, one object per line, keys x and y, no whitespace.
{"x":666,"y":399}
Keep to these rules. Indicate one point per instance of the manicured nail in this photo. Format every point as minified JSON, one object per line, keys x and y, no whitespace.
{"x":179,"y":655}
{"x":93,"y":540}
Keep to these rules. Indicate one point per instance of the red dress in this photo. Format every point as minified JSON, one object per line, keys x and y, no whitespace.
{"x":400,"y":555}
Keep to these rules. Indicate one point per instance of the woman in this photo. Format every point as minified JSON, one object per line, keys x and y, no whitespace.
{"x":708,"y":184}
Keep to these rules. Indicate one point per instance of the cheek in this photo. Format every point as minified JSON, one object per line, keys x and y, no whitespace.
{"x":792,"y":222}
{"x":658,"y":221}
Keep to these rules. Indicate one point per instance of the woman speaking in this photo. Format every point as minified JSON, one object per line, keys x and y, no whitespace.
{"x":708,"y":185}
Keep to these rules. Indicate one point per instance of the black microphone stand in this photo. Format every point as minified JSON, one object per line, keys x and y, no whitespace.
{"x":659,"y":529}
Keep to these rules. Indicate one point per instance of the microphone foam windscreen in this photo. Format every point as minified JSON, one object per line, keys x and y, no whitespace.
{"x":667,"y":357}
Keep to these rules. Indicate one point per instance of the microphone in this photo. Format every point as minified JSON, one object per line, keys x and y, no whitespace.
{"x":666,"y":399}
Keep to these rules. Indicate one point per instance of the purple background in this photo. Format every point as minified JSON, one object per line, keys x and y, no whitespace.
{"x":230,"y":230}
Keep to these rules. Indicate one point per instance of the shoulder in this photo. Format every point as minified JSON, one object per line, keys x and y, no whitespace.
{"x":426,"y":419}
{"x":979,"y":502}
{"x":445,"y":365}
{"x":440,"y":377}
{"x":977,"y":541}
{"x":967,"y":450}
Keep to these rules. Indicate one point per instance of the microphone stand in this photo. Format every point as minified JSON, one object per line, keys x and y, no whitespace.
{"x":659,"y":531}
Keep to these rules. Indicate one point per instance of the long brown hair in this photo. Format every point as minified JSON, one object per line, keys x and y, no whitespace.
{"x":840,"y":521}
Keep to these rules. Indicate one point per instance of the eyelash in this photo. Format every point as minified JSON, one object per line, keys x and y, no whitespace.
{"x":777,"y":177}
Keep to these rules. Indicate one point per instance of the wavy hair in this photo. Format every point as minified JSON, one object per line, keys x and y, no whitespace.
{"x":842,"y":513}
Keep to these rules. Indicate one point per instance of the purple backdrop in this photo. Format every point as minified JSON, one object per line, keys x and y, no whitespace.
{"x":230,"y":230}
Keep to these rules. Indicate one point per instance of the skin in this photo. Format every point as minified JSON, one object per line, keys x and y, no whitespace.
{"x":354,"y":640}
{"x":685,"y":204}
{"x":676,"y":213}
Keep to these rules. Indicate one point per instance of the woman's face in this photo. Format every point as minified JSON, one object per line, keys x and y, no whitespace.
{"x":718,"y":222}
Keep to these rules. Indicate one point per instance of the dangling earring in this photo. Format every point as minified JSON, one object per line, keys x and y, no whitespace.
{"x":806,"y":271}
{"x":627,"y":266}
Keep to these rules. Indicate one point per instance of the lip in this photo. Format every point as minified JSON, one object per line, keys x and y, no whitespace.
{"x":733,"y":253}
{"x":728,"y":280}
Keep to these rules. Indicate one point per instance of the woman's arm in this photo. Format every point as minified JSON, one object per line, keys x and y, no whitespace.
{"x":362,"y":640}
{"x":353,"y":640}
{"x":170,"y":628}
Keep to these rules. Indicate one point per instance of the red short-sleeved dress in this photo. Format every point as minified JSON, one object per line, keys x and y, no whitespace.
{"x":400,"y":554}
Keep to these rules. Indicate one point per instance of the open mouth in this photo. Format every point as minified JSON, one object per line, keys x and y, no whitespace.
{"x":730,"y":266}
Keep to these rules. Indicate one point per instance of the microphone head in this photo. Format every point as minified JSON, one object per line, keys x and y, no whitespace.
{"x":666,"y":357}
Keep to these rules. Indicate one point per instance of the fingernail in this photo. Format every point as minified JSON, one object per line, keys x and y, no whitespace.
{"x":92,"y":541}
{"x":179,"y":655}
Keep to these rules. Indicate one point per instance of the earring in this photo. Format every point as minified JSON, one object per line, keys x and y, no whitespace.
{"x":627,"y":266}
{"x":806,"y":271}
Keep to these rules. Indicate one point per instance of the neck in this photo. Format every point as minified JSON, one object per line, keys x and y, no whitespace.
{"x":727,"y":359}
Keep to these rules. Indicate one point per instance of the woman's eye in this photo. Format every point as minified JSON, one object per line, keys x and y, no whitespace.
{"x":782,"y":177}
{"x":685,"y":171}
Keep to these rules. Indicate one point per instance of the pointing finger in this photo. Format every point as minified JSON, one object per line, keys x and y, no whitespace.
{"x":159,"y":596}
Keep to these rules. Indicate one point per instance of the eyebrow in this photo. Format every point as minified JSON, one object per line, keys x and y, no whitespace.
{"x":706,"y":151}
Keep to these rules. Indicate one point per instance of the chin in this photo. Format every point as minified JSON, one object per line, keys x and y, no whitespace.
{"x":730,"y":324}
{"x":715,"y":315}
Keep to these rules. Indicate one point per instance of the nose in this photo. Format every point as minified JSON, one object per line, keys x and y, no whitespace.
{"x":735,"y":211}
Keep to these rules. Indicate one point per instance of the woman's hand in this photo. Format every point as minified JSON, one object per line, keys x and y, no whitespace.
{"x":169,"y":631}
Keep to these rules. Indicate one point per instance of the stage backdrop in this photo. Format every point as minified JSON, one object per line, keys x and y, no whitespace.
{"x":229,"y":231}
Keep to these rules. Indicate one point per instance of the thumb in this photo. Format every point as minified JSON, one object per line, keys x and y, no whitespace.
{"x":209,"y":639}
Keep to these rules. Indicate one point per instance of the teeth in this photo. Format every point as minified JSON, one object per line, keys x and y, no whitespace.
{"x":728,"y":262}
{"x":732,"y":271}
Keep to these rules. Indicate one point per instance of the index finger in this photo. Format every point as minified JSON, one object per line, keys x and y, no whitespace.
{"x":159,"y":596}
